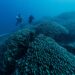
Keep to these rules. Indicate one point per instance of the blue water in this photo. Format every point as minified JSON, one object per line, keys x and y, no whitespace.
{"x":39,"y":8}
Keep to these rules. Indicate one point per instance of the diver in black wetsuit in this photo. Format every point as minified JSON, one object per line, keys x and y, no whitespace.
{"x":19,"y":19}
{"x":30,"y":20}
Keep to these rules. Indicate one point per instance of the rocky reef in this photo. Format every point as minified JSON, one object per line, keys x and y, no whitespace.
{"x":52,"y":29}
{"x":45,"y":57}
{"x":37,"y":50}
{"x":67,"y":19}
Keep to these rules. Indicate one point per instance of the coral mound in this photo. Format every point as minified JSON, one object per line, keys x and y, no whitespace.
{"x":51,"y":29}
{"x":34,"y":51}
{"x":43,"y":57}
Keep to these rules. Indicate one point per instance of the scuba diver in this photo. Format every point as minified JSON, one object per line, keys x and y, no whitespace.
{"x":19,"y":19}
{"x":30,"y":20}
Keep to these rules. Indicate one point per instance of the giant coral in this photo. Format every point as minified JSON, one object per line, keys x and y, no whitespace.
{"x":34,"y":51}
{"x":51,"y":29}
{"x":45,"y":57}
